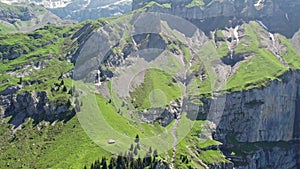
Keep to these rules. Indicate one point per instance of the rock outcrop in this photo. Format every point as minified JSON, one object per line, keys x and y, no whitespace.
{"x":32,"y":104}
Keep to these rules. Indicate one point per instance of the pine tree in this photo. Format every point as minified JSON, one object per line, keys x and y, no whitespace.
{"x":112,"y":163}
{"x":62,"y":83}
{"x":137,"y":139}
{"x":20,"y":80}
{"x":147,"y":159}
{"x":69,"y":102}
{"x":131,"y":147}
{"x":139,"y":162}
{"x":103,"y":163}
{"x":64,"y":89}
{"x":70,"y":92}
{"x":150,"y":150}
{"x":120,"y":162}
{"x":155,"y":154}
{"x":135,"y":152}
{"x":135,"y":165}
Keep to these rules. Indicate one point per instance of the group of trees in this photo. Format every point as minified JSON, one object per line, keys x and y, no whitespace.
{"x":130,"y":159}
{"x":126,"y":162}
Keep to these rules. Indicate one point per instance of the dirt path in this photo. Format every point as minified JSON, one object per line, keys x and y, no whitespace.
{"x":178,"y":117}
{"x":175,"y":141}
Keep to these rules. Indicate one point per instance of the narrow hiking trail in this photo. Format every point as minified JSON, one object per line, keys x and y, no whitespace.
{"x":178,"y":116}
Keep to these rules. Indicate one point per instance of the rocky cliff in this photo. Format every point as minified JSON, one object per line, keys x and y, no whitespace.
{"x":33,"y":104}
{"x":277,"y":16}
{"x":261,"y":125}
{"x":264,"y":114}
{"x":275,"y":157}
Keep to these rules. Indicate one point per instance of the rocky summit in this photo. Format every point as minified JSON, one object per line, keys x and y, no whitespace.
{"x":171,"y":84}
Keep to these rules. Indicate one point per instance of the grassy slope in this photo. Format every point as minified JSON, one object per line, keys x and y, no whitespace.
{"x":195,"y":3}
{"x":125,"y":126}
{"x":260,"y":69}
{"x":99,"y":117}
{"x":64,"y":145}
{"x":165,"y":5}
{"x":201,"y":3}
{"x":51,"y":45}
{"x":290,"y":55}
{"x":156,"y":80}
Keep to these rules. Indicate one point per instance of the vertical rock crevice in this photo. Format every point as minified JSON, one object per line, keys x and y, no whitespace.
{"x":296,"y":133}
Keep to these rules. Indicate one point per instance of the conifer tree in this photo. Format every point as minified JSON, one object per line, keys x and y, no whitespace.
{"x":137,"y":139}
{"x":112,"y":163}
{"x":103,"y":163}
{"x":131,"y":147}
{"x":155,"y":154}
{"x":150,"y":150}
{"x":62,"y":83}
{"x":135,"y":151}
{"x":64,"y":89}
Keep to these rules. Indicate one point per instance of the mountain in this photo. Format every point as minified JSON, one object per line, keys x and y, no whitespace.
{"x":154,"y":90}
{"x":79,"y":10}
{"x":26,"y":18}
{"x":45,"y":3}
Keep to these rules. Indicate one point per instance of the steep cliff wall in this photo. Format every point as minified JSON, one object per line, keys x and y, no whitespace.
{"x":264,"y":114}
{"x":271,"y":158}
{"x":36,"y":105}
{"x":260,"y":127}
{"x":297,"y":116}
{"x":278,"y":16}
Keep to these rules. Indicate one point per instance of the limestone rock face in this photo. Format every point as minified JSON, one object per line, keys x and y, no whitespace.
{"x":272,"y":158}
{"x":278,"y":16}
{"x":264,"y":114}
{"x":259,"y":116}
{"x":32,"y":104}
